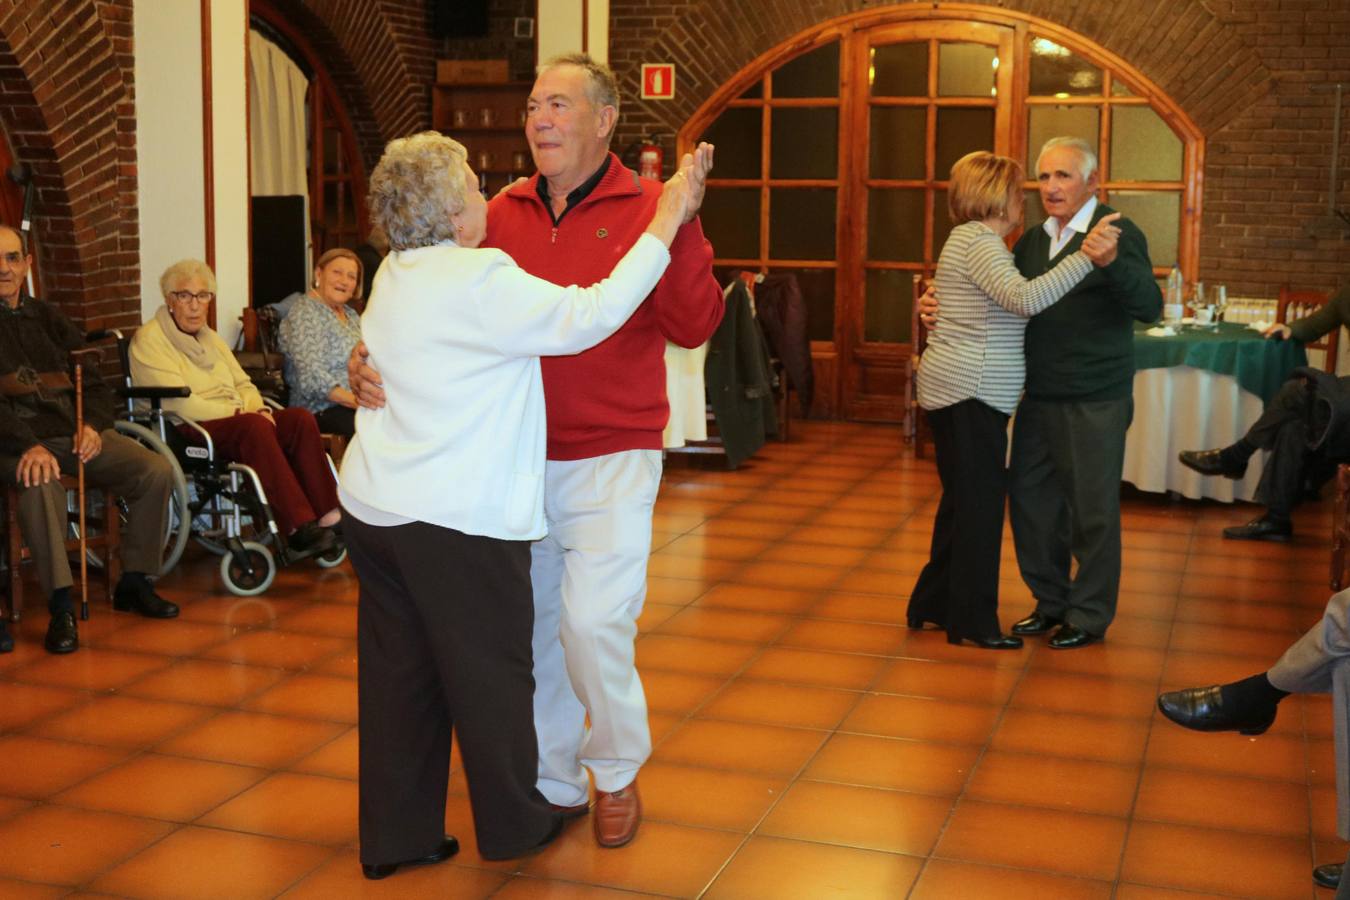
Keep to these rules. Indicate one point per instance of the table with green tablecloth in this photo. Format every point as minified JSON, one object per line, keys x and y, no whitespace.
{"x":1197,"y":389}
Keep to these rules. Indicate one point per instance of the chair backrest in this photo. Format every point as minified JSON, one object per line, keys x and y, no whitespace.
{"x":1295,"y":305}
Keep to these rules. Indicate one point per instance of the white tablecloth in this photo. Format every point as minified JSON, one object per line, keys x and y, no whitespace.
{"x":1183,"y":408}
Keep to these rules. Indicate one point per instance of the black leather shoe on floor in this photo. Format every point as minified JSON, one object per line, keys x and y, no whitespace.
{"x":1070,"y":637}
{"x":1212,"y":462}
{"x":1034,"y":624}
{"x":62,"y":635}
{"x":997,"y":642}
{"x":1328,"y":876}
{"x":1262,"y":529}
{"x":136,"y":594}
{"x":311,"y":539}
{"x":449,"y":847}
{"x":1202,"y":709}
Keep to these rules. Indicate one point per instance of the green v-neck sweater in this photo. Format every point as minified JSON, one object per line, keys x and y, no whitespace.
{"x":1081,"y":348}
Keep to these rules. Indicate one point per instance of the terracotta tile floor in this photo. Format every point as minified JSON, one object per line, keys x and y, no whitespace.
{"x":807,"y":743}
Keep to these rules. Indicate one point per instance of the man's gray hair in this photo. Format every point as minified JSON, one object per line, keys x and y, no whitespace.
{"x":1087,"y":156}
{"x":602,"y":88}
{"x":23,"y":238}
{"x":416,"y":187}
{"x":183,"y":271}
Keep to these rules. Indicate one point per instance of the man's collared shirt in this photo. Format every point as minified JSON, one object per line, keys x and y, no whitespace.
{"x":576,"y":195}
{"x":1081,"y":223}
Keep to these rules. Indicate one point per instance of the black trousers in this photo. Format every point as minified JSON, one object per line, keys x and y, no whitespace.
{"x":337,"y":420}
{"x":444,"y":623}
{"x":1282,"y":430}
{"x":958,"y":588}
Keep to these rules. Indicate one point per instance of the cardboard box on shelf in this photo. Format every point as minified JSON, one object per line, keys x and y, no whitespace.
{"x":471,"y":71}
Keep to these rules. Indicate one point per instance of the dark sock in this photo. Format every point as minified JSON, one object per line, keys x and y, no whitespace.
{"x":60,"y":601}
{"x":1255,"y":696}
{"x":1238,"y":454}
{"x":132,"y":581}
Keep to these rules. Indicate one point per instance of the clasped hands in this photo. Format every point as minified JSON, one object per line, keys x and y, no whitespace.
{"x":38,"y":465}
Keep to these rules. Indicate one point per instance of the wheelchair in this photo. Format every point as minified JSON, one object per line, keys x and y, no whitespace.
{"x":221,"y":505}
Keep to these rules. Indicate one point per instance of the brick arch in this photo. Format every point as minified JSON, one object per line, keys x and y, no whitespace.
{"x":67,"y":108}
{"x":1200,"y":60}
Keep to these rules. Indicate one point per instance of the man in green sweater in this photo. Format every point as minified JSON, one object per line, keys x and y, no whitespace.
{"x":1282,"y":430}
{"x":1068,"y":445}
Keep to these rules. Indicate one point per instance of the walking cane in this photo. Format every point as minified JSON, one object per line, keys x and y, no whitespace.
{"x":79,"y":485}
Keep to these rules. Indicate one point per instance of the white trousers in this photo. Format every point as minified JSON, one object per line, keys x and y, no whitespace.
{"x":590,"y":578}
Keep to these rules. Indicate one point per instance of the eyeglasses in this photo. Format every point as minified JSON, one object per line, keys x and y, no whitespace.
{"x":201,"y":298}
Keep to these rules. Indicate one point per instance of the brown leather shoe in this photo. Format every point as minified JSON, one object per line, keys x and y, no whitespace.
{"x":571,"y":812}
{"x":617,"y":816}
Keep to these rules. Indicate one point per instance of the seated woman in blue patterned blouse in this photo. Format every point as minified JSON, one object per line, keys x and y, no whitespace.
{"x":318,"y":335}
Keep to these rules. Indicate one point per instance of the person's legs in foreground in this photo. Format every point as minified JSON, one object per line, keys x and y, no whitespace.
{"x":1315,"y":663}
{"x":590,"y":578}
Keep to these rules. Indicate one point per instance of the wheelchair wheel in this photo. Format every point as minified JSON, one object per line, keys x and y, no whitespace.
{"x":179,"y":520}
{"x":248,"y":573}
{"x":332,"y":558}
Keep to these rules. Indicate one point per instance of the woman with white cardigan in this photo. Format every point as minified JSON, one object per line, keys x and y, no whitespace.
{"x":443,"y":492}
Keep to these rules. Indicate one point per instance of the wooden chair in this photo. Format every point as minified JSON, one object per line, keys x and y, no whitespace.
{"x":104,"y":535}
{"x":1340,"y":527}
{"x":915,"y":425}
{"x":1295,"y":305}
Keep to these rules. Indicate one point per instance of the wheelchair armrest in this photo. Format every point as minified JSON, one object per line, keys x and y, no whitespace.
{"x":155,"y":393}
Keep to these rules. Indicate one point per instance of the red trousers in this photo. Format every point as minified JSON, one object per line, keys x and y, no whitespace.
{"x":288,"y":457}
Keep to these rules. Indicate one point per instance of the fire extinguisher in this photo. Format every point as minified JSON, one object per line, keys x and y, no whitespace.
{"x":651,"y":159}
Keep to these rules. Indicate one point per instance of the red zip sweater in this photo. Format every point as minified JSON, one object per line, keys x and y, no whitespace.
{"x":611,"y":397}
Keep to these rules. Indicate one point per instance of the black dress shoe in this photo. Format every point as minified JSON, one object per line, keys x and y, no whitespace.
{"x":449,"y":847}
{"x":311,"y":539}
{"x":1328,"y":876}
{"x":560,"y":819}
{"x":62,"y":635}
{"x":1212,"y":462}
{"x":1034,"y":624}
{"x":1262,"y":529}
{"x":135,"y":593}
{"x":1070,"y":637}
{"x":997,"y":642}
{"x":916,"y":623}
{"x":1201,"y":709}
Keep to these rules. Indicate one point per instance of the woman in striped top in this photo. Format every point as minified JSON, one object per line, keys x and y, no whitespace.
{"x":969,"y":382}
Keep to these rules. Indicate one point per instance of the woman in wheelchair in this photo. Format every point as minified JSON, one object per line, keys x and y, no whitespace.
{"x":318,"y":335}
{"x":177,"y":348}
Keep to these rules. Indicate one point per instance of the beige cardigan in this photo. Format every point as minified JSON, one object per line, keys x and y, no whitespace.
{"x":218,"y":392}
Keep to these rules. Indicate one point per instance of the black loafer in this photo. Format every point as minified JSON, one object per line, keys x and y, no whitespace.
{"x":997,"y":642}
{"x":1034,"y":624}
{"x":449,"y":847}
{"x":1212,"y":462}
{"x":1262,"y":529}
{"x":311,"y":539}
{"x":1328,"y":876}
{"x":138,"y":595}
{"x":1070,"y":637}
{"x":62,"y":635}
{"x":1202,"y":709}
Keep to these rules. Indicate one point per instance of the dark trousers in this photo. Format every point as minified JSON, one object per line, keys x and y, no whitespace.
{"x":289,"y":459}
{"x":1064,"y":505}
{"x":141,"y":477}
{"x":958,"y":588}
{"x":337,"y":420}
{"x":444,"y":625}
{"x":1282,"y":429}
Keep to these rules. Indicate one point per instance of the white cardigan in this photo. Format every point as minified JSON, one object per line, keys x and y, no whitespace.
{"x":456,"y":335}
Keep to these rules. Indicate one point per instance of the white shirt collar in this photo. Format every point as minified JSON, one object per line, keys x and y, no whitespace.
{"x":1081,"y":223}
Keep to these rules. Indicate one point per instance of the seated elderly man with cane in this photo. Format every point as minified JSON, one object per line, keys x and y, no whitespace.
{"x":39,"y":441}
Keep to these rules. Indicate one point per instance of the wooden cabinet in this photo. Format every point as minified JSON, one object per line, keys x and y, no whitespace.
{"x":489,"y":120}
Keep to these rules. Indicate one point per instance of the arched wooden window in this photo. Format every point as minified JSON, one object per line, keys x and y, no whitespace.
{"x":834,"y":149}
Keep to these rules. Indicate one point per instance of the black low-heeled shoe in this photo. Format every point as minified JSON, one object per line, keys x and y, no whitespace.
{"x":917,"y":623}
{"x":997,"y":642}
{"x":375,"y":871}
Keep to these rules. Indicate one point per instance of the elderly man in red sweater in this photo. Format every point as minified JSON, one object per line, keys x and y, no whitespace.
{"x":606,"y":410}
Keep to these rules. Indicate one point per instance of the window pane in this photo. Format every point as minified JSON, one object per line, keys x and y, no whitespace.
{"x":801,"y":223}
{"x":1143,"y":147}
{"x":959,"y":131}
{"x":813,"y":74}
{"x":739,"y":138}
{"x":818,"y":291}
{"x":942,"y":222}
{"x":895,"y":225}
{"x":1055,"y":71}
{"x":890,"y":298}
{"x":1033,"y":214}
{"x":900,"y":70}
{"x":1045,"y":122}
{"x":804,"y":143}
{"x":754,"y":91}
{"x":730,"y":219}
{"x":1119,"y":88}
{"x":1158,"y":215}
{"x":966,"y":70}
{"x":898,"y":142}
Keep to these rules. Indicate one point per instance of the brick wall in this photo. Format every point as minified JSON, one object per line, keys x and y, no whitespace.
{"x":67,"y":106}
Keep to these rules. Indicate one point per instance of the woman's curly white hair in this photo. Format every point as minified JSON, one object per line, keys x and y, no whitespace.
{"x":416,"y":187}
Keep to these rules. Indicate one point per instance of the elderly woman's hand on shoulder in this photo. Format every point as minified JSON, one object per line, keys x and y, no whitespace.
{"x":365,"y":381}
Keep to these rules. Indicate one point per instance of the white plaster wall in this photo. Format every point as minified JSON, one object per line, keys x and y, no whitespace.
{"x":229,"y":97}
{"x":561,"y":25}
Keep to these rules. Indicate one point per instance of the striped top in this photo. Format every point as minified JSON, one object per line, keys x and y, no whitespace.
{"x":984,"y":302}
